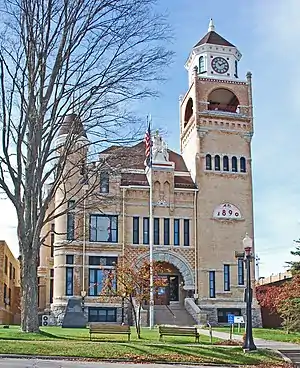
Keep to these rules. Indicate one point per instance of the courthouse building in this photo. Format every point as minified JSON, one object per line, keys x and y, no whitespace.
{"x":202,"y":204}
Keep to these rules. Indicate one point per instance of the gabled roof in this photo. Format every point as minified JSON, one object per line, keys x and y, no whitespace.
{"x":214,"y":38}
{"x":133,"y":158}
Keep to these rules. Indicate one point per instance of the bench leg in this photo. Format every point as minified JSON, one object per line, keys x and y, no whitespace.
{"x":128,"y":337}
{"x":160,"y":337}
{"x":90,"y":337}
{"x":197,"y":339}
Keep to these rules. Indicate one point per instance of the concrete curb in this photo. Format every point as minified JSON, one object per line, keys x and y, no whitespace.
{"x":81,"y":359}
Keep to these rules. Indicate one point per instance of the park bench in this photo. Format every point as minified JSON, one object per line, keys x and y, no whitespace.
{"x":99,"y":328}
{"x":178,"y":331}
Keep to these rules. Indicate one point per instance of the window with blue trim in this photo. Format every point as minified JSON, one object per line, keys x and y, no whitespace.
{"x":166,"y":231}
{"x":146,"y":230}
{"x":212,"y":284}
{"x":241,"y":280}
{"x":176,"y":231}
{"x":136,"y":230}
{"x":226,"y":277}
{"x":156,"y":231}
{"x":104,"y":228}
{"x":186,"y":232}
{"x":69,"y":281}
{"x":71,"y":220}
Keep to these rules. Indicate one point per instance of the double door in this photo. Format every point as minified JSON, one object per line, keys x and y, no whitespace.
{"x":169,"y":291}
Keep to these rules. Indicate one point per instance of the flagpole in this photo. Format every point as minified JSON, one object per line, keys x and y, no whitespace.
{"x":151,"y":307}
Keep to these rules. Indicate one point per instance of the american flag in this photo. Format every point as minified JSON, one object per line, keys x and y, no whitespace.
{"x":148,"y":145}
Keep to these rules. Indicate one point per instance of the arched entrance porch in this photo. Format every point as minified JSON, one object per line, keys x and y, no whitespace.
{"x":176,"y":275}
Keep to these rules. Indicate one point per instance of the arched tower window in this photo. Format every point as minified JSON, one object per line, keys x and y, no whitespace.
{"x":243,"y":164}
{"x":208,"y":162}
{"x":188,"y":111}
{"x":236,"y":69}
{"x":201,"y":64}
{"x":225,"y":163}
{"x":222,"y":99}
{"x":217,"y":163}
{"x":234,"y":164}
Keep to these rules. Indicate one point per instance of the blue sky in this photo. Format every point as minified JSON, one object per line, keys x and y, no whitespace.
{"x":267,"y":34}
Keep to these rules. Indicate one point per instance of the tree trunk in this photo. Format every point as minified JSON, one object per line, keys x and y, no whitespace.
{"x":29,"y":290}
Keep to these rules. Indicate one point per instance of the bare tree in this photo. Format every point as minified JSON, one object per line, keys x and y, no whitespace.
{"x":93,"y":57}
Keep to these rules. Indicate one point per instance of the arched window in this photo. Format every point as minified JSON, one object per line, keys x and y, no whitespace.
{"x":236,"y":68}
{"x":217,"y":163}
{"x":243,"y":164}
{"x":208,"y":162}
{"x":201,"y":64}
{"x":188,"y":111}
{"x":225,"y":163}
{"x":234,"y":164}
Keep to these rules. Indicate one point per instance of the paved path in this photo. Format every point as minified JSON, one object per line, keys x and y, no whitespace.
{"x":260,"y":343}
{"x":36,"y":363}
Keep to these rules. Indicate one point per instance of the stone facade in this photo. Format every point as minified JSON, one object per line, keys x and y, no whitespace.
{"x":9,"y":286}
{"x":202,"y":202}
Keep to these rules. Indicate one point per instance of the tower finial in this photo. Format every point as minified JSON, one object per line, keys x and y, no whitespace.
{"x":211,"y":26}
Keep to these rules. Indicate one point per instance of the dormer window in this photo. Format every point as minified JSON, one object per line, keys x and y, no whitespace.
{"x":201,"y":65}
{"x":104,"y":182}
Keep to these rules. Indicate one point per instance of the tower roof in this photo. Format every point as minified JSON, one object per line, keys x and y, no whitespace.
{"x":72,"y":123}
{"x":213,"y":37}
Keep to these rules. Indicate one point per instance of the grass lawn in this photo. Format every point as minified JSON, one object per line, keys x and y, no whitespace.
{"x":266,"y":333}
{"x":56,"y":341}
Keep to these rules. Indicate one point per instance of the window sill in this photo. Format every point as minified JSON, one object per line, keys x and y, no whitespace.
{"x":225,"y":172}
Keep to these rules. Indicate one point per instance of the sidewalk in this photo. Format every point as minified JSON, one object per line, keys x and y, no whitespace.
{"x":260,"y":343}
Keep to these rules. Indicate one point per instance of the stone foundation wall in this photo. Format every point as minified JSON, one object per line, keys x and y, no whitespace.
{"x":212,"y":316}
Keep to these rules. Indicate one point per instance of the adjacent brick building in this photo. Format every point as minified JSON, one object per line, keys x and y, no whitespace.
{"x":202,"y":202}
{"x":9,"y":286}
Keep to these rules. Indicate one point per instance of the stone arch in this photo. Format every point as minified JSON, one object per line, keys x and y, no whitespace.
{"x":177,"y":261}
{"x":223,"y":99}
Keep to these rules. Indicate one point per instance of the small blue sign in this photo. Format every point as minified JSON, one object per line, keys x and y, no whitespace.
{"x":230,"y":319}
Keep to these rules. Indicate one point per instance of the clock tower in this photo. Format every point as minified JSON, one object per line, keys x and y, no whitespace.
{"x":216,"y":128}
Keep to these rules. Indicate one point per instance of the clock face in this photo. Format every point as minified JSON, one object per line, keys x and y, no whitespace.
{"x":220,"y":65}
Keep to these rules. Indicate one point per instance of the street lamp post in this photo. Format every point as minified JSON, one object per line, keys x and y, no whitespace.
{"x":248,"y":343}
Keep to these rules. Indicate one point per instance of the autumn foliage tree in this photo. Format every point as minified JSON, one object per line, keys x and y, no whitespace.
{"x":131,"y":282}
{"x":284,"y":300}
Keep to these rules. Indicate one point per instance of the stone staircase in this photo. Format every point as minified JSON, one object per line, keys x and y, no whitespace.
{"x":174,"y":314}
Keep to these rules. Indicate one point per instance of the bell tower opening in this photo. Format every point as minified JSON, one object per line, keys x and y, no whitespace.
{"x":222,"y":99}
{"x":188,"y":112}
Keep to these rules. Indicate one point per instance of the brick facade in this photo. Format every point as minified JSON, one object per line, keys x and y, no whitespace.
{"x":184,"y":189}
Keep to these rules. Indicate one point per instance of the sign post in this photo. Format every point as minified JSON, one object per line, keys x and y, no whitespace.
{"x":230,"y":319}
{"x":238,"y":320}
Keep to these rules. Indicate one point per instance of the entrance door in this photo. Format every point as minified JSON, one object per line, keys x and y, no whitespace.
{"x":161,"y":296}
{"x":174,"y":288}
